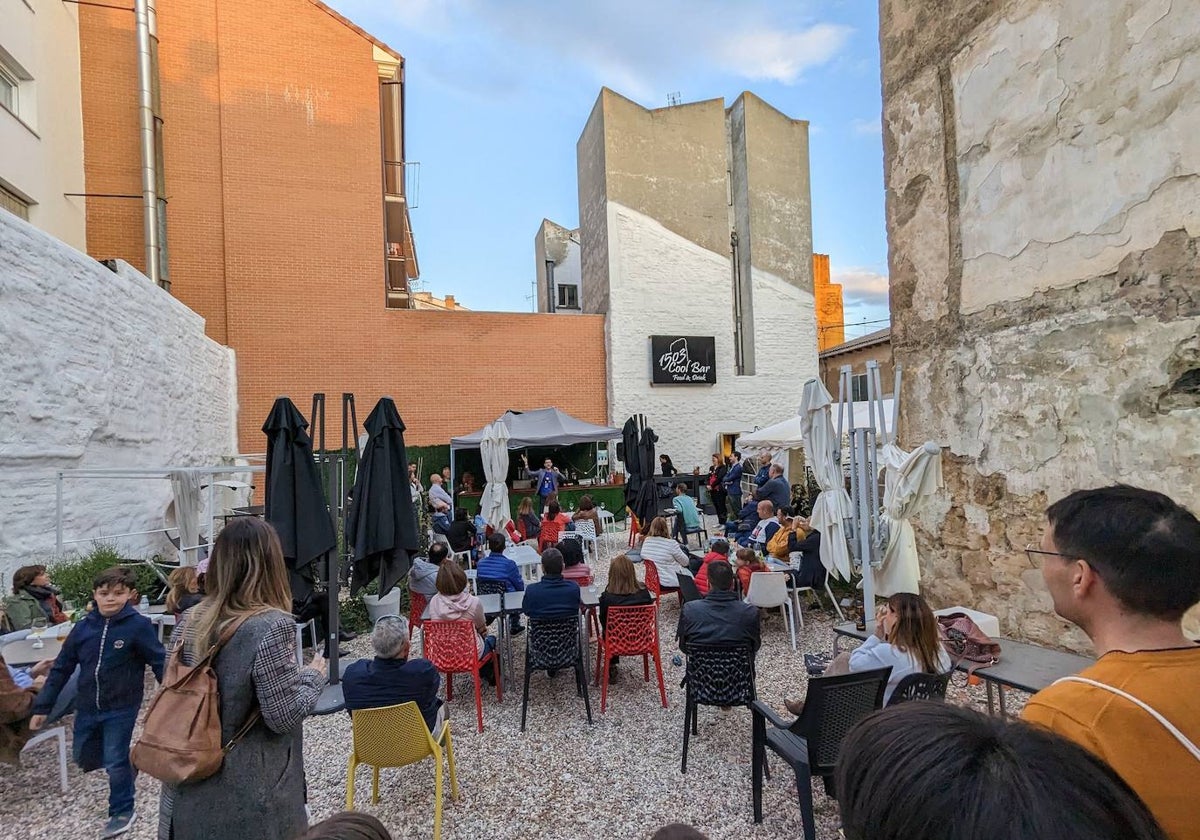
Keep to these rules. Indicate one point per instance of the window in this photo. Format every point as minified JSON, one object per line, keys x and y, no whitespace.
{"x":14,"y":204}
{"x":858,"y":387}
{"x":9,"y":89}
{"x":568,"y":297}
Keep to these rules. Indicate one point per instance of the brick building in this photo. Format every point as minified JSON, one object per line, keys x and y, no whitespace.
{"x":282,"y":161}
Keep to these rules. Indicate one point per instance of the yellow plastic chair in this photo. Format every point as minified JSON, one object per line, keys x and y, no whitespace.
{"x":396,"y":736}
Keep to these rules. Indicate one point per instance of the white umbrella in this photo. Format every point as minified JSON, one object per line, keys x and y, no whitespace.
{"x":493,"y":449}
{"x":910,"y":478}
{"x":832,"y":505}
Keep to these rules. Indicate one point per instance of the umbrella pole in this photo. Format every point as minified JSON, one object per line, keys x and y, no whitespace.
{"x":331,"y":630}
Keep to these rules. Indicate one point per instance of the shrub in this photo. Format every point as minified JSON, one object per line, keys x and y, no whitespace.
{"x":74,"y":574}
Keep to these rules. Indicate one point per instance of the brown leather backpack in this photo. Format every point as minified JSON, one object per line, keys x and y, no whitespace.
{"x":963,"y":640}
{"x":181,"y":734}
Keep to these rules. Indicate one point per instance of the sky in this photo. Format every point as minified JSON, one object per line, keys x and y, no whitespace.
{"x":498,"y":93}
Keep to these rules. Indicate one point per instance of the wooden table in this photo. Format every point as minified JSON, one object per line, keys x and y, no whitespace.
{"x":1022,"y":666}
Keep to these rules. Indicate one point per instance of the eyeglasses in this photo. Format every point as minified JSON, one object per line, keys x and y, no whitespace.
{"x":1031,"y":550}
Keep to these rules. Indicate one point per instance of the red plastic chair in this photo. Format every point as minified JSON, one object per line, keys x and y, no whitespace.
{"x":416,"y":608}
{"x":450,"y":646}
{"x":548,"y":537}
{"x":634,"y":527}
{"x":630,"y":631}
{"x":654,"y":584}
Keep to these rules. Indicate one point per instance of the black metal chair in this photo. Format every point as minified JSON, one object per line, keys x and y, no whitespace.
{"x":920,"y":686}
{"x":810,"y":743}
{"x":490,"y":586}
{"x":688,"y":589}
{"x":717,"y":675}
{"x":552,"y":644}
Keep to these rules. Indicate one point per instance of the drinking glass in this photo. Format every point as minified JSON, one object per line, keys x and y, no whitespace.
{"x":38,"y":628}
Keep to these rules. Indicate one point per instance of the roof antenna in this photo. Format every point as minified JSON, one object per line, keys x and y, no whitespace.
{"x":672,"y":99}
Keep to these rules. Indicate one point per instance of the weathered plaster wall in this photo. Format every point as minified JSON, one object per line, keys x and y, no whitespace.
{"x":1043,"y":181}
{"x":99,"y":369}
{"x":651,"y":265}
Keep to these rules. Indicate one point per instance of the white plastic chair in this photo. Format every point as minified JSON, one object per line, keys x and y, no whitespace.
{"x":769,"y":590}
{"x":311,"y":626}
{"x":585,"y":529}
{"x":463,"y":558}
{"x":58,"y":733}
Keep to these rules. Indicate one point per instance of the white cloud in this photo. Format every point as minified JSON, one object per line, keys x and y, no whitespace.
{"x":640,"y":49}
{"x":861,"y":286}
{"x":762,"y":53}
{"x":872,"y":127}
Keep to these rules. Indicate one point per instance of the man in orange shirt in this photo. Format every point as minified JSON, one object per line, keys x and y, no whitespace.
{"x":1124,"y":564}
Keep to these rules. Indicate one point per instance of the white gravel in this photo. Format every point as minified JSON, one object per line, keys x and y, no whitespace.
{"x":559,"y":779}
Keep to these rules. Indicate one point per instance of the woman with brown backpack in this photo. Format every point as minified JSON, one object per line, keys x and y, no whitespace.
{"x":265,"y":695}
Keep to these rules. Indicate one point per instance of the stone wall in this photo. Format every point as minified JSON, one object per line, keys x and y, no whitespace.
{"x":1043,"y":182}
{"x":99,"y":369}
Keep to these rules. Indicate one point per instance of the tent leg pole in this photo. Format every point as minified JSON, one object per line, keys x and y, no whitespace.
{"x":450,"y":489}
{"x":331,"y":631}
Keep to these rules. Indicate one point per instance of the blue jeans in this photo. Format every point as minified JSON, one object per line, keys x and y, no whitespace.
{"x":102,"y":740}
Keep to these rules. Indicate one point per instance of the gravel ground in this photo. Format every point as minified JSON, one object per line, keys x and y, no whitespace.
{"x":559,"y":779}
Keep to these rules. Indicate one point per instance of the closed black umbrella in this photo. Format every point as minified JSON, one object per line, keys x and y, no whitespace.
{"x":294,"y":501}
{"x":645,"y":505}
{"x":382,"y":525}
{"x":627,"y":451}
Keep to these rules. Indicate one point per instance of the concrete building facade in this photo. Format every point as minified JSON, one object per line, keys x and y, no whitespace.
{"x":41,"y":124}
{"x":559,"y":269}
{"x":872,"y":347}
{"x":695,"y":222}
{"x":1045,"y":290}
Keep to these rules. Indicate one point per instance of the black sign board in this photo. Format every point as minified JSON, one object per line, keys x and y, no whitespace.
{"x":683,"y":359}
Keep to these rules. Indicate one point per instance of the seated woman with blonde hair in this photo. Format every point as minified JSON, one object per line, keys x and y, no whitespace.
{"x":670,"y":560}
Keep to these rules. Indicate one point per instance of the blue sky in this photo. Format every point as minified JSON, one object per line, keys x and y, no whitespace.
{"x":498,"y":93}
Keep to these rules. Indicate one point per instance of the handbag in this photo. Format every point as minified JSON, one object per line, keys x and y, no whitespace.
{"x":963,"y":640}
{"x":181,"y":734}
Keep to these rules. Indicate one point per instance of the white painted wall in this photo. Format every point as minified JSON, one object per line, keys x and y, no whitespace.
{"x":98,"y":369}
{"x":41,"y":147}
{"x":1097,"y":153}
{"x":661,"y":283}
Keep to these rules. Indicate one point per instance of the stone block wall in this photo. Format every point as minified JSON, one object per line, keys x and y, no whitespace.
{"x":1043,"y":182}
{"x":99,"y":370}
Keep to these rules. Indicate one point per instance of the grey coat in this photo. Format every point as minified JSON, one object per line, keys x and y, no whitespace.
{"x":259,"y":790}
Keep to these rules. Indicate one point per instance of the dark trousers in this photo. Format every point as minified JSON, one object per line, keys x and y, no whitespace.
{"x":734,"y":504}
{"x":102,"y":740}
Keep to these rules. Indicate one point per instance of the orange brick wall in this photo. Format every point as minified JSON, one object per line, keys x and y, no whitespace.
{"x":830,"y":314}
{"x":275,"y":228}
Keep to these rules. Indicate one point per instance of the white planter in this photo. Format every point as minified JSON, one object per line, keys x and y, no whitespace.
{"x":380,"y":605}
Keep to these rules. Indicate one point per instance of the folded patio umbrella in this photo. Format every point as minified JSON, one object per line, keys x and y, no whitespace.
{"x":832,"y":507}
{"x":493,"y":449}
{"x":645,"y":504}
{"x":910,"y":479}
{"x":382,"y":525}
{"x":631,"y":459}
{"x":294,"y":501}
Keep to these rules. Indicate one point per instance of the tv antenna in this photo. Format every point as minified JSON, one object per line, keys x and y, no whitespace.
{"x":673,"y":99}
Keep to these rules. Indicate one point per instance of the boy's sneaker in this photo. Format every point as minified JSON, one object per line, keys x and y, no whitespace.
{"x":118,"y":825}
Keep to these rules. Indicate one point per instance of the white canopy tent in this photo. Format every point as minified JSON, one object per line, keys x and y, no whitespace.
{"x":788,"y":434}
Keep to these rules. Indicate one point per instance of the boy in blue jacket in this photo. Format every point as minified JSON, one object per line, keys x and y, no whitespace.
{"x":111,"y":647}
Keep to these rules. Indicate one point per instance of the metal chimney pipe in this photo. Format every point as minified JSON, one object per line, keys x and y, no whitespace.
{"x":147,"y":30}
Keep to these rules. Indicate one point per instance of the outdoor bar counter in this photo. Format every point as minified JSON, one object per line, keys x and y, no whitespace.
{"x":612,"y":496}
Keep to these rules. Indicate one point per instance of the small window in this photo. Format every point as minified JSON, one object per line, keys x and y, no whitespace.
{"x":858,"y":387}
{"x":14,"y":204}
{"x":568,"y":297}
{"x":9,"y":89}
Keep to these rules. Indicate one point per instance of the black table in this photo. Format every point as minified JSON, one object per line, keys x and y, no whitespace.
{"x":1022,"y":666}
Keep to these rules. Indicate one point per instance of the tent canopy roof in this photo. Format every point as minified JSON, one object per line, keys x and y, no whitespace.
{"x":786,"y":433}
{"x":540,"y":427}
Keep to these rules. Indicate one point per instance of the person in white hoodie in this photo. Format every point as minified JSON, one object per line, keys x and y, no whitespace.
{"x":667,"y":554}
{"x":906,"y":638}
{"x":454,"y":602}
